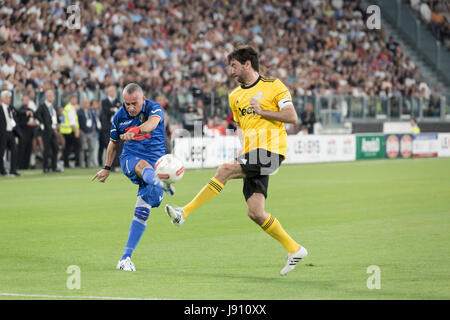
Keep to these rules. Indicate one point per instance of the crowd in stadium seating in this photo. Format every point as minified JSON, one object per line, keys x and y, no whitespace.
{"x":313,"y":46}
{"x":178,"y":48}
{"x":436,"y":15}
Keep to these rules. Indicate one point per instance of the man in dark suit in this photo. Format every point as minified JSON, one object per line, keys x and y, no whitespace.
{"x":308,"y":118}
{"x":27,"y":124}
{"x":48,"y":119}
{"x":8,"y":130}
{"x":109,"y":107}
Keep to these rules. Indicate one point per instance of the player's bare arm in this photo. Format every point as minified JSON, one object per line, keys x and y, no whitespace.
{"x":287,"y":114}
{"x":103,"y":174}
{"x":150,"y":124}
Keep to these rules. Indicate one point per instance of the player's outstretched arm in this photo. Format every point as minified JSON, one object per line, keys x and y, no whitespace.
{"x":103,"y":174}
{"x":287,"y":114}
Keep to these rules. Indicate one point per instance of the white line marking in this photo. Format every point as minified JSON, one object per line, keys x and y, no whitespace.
{"x":71,"y":297}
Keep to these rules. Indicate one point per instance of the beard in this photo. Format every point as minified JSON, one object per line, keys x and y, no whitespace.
{"x":240,"y":79}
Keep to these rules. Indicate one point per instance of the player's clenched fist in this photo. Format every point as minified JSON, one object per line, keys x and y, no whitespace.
{"x":130,"y":133}
{"x":128,"y":136}
{"x":101,"y":176}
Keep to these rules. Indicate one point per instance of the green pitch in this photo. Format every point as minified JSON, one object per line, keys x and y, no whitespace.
{"x":392,"y":214}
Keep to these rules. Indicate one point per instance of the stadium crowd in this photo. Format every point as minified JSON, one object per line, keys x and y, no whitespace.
{"x":436,"y":15}
{"x":176,"y":50}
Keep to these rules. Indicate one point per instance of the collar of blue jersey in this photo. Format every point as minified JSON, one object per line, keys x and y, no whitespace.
{"x":253,"y":84}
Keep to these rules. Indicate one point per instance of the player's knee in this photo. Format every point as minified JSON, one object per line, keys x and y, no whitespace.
{"x":225,"y":172}
{"x":251,"y":213}
{"x":256,"y":210}
{"x":140,"y":166}
{"x":254,"y":214}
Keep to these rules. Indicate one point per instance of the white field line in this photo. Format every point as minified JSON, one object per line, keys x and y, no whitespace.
{"x":70,"y":297}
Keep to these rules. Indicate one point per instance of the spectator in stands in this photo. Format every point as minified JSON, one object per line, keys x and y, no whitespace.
{"x":8,"y":132}
{"x":216,"y":127}
{"x":109,"y":107}
{"x":303,"y":130}
{"x":27,"y":122}
{"x":37,"y":144}
{"x":435,"y":101}
{"x":314,"y":47}
{"x":436,"y":15}
{"x":95,"y":108}
{"x":191,"y":117}
{"x":414,"y":126}
{"x":70,"y":129}
{"x":167,"y":126}
{"x":308,"y":118}
{"x":87,"y":121}
{"x":49,"y":125}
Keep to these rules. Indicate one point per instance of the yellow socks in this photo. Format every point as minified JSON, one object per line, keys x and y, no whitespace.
{"x":273,"y":227}
{"x":207,"y":193}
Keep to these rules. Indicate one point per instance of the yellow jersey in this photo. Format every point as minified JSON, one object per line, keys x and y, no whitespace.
{"x":259,"y":132}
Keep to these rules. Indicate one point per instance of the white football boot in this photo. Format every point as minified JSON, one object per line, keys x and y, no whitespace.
{"x":293,"y":259}
{"x":126,"y":265}
{"x":176,"y":214}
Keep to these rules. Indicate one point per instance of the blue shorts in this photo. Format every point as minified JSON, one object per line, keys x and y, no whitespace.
{"x":151,"y":194}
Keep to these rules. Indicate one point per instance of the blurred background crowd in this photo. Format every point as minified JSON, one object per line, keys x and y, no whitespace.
{"x":176,"y":50}
{"x":436,"y":15}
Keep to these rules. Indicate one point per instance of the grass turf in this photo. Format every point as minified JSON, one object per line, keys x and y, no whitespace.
{"x":394,"y":214}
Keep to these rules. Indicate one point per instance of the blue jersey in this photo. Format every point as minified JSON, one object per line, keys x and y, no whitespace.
{"x":150,"y":146}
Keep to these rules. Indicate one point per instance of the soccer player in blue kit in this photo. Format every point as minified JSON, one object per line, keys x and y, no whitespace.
{"x":140,"y":124}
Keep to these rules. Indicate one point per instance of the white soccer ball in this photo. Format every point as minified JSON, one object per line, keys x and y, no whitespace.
{"x":169,"y":168}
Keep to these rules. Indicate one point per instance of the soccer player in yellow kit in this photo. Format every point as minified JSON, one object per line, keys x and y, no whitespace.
{"x":260,"y":108}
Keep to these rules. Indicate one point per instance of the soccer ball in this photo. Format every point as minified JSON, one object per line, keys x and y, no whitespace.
{"x":169,"y":168}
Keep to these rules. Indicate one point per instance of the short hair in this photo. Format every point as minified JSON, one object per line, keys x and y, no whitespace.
{"x":5,"y":92}
{"x":243,"y":54}
{"x":132,"y":88}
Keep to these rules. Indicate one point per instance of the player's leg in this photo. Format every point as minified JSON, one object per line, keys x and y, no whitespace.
{"x":271,"y":225}
{"x":225,"y":172}
{"x":145,"y":171}
{"x":137,"y":228}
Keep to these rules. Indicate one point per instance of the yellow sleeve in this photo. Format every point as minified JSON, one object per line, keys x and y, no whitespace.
{"x":281,"y":94}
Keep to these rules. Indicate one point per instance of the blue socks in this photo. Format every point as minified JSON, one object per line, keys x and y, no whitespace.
{"x":137,"y":228}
